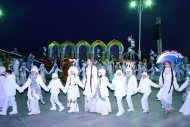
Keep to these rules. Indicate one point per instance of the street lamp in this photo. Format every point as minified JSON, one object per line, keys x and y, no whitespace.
{"x":1,"y":13}
{"x":140,"y":4}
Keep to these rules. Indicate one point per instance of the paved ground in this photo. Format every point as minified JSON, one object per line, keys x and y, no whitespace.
{"x":47,"y":118}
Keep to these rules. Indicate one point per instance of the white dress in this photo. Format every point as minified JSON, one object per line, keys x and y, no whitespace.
{"x":165,"y":93}
{"x":72,"y":88}
{"x":2,"y":94}
{"x":185,"y":109}
{"x":101,"y":97}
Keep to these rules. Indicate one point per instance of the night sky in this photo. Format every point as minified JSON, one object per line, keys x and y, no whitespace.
{"x":29,"y":25}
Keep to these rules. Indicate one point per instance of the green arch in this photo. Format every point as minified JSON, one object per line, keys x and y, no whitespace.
{"x":54,"y":43}
{"x":115,"y":42}
{"x":67,"y":43}
{"x":80,"y":43}
{"x":98,"y":42}
{"x":119,"y":44}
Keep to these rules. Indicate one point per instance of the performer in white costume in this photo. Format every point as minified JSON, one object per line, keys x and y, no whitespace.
{"x":100,"y":101}
{"x":72,"y":89}
{"x":185,"y":109}
{"x":10,"y":87}
{"x":43,"y":72}
{"x":131,"y":87}
{"x":119,"y":86}
{"x":2,"y":80}
{"x":34,"y":84}
{"x":145,"y":88}
{"x":90,"y":83}
{"x":55,"y":85}
{"x":167,"y":82}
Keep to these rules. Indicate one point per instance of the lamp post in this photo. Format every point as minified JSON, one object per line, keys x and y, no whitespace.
{"x":140,"y":4}
{"x":1,"y":13}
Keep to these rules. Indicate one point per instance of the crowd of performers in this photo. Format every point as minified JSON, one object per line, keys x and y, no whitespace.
{"x":125,"y":79}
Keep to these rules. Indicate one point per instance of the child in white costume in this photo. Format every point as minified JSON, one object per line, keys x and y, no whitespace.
{"x":2,"y":80}
{"x":23,"y":71}
{"x":72,"y":89}
{"x":100,"y":99}
{"x":10,"y":87}
{"x":43,"y":72}
{"x":167,"y":82}
{"x":185,"y":109}
{"x":34,"y":84}
{"x":119,"y":86}
{"x":55,"y":85}
{"x":55,"y":69}
{"x":90,"y":83}
{"x":145,"y":88}
{"x":131,"y":87}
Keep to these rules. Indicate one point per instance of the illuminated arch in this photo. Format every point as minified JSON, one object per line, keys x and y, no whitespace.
{"x":64,"y":45}
{"x":119,"y":44}
{"x":80,"y":43}
{"x":102,"y":44}
{"x":51,"y":45}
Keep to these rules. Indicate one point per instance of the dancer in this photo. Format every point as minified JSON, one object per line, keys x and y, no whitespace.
{"x":185,"y":109}
{"x":119,"y":86}
{"x":131,"y":87}
{"x":145,"y":88}
{"x":72,"y":89}
{"x":10,"y":87}
{"x":167,"y":82}
{"x":90,"y":83}
{"x":55,"y":85}
{"x":2,"y":80}
{"x":43,"y":72}
{"x":34,"y":84}
{"x":101,"y":97}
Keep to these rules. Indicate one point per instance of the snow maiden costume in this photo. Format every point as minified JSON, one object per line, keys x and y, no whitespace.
{"x":101,"y":97}
{"x":90,"y":83}
{"x":185,"y":109}
{"x":167,"y":82}
{"x":72,"y":89}
{"x":34,"y":84}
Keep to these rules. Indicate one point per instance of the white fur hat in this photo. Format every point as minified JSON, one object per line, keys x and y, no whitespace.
{"x":73,"y":69}
{"x":118,"y":71}
{"x":144,"y":73}
{"x":54,"y":75}
{"x":34,"y":68}
{"x":128,"y":69}
{"x":2,"y":69}
{"x":102,"y":71}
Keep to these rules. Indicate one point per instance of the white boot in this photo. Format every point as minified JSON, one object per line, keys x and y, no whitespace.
{"x":13,"y":112}
{"x":130,"y":110}
{"x":2,"y":113}
{"x":61,"y":108}
{"x":53,"y":108}
{"x":76,"y":107}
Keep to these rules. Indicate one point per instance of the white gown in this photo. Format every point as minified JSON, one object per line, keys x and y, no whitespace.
{"x":185,"y":109}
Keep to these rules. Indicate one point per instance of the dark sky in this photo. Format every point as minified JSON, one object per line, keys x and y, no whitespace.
{"x":29,"y":25}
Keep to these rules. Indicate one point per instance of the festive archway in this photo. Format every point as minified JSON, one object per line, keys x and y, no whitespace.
{"x":102,"y":44}
{"x":119,"y":44}
{"x":80,"y":43}
{"x":64,"y":46}
{"x":54,"y":46}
